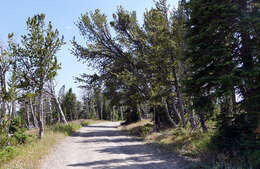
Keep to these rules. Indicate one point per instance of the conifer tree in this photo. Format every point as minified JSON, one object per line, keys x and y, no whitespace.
{"x":37,"y":59}
{"x":223,"y":57}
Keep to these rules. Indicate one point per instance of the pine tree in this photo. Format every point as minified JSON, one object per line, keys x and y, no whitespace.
{"x":37,"y":59}
{"x":222,"y":52}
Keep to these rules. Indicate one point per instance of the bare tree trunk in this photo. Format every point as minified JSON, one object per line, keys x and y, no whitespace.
{"x":87,"y":108}
{"x":3,"y":92}
{"x":101,"y":107}
{"x":58,"y":117}
{"x":157,"y":120}
{"x":13,"y":115}
{"x":93,"y":109}
{"x":40,"y":114}
{"x":50,"y":109}
{"x":175,"y":111}
{"x":169,"y":117}
{"x":57,"y":103}
{"x":3,"y":109}
{"x":27,"y":115}
{"x":122,"y":114}
{"x":191,"y":119}
{"x":35,"y":122}
{"x":113,"y":114}
{"x":60,"y":109}
{"x":180,"y":99}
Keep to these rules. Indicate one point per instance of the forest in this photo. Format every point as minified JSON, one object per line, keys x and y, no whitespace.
{"x":193,"y":68}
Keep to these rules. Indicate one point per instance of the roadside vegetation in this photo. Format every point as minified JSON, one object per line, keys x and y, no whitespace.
{"x":24,"y":150}
{"x":196,"y":145}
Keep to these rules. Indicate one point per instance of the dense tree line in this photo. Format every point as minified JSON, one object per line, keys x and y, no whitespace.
{"x":197,"y":63}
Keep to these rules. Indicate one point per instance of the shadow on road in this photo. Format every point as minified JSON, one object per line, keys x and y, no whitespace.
{"x":103,"y":164}
{"x":98,"y":133}
{"x":118,"y":140}
{"x":135,"y":155}
{"x":105,"y":127}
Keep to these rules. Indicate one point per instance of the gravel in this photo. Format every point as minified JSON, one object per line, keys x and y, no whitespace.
{"x":103,"y":146}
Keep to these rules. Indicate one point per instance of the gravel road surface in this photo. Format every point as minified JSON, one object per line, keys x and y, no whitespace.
{"x":104,"y":146}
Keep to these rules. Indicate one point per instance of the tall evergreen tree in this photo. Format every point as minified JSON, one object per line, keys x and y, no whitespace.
{"x":69,"y":105}
{"x":223,"y":59}
{"x":37,"y":59}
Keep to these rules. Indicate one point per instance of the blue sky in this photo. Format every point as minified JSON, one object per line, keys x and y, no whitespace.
{"x":63,"y":14}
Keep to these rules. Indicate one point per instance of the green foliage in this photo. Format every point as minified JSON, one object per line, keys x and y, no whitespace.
{"x":68,"y":129}
{"x":223,"y":62}
{"x":8,"y":143}
{"x":21,"y":137}
{"x":84,"y":123}
{"x":6,"y":153}
{"x":69,"y":105}
{"x":141,"y":131}
{"x":4,"y":140}
{"x":15,"y":125}
{"x":16,"y":136}
{"x":209,"y":62}
{"x":37,"y":61}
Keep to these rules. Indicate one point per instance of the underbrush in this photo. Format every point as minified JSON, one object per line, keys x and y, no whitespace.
{"x":66,"y":129}
{"x":24,"y":150}
{"x":141,"y":129}
{"x":193,"y":144}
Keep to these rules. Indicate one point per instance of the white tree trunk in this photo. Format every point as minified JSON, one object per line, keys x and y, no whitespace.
{"x":27,"y":115}
{"x":60,"y":110}
{"x":40,"y":114}
{"x":35,"y":122}
{"x":122,"y":114}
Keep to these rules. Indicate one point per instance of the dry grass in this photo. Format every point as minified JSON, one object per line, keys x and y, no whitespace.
{"x":141,"y":129}
{"x":183,"y":141}
{"x":28,"y":156}
{"x":137,"y":124}
{"x":193,"y":144}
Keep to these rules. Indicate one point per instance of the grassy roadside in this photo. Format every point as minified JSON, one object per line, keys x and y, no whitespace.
{"x":193,"y":144}
{"x":28,"y":156}
{"x":197,"y":146}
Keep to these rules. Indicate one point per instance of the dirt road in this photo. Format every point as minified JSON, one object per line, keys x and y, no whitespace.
{"x":103,"y":146}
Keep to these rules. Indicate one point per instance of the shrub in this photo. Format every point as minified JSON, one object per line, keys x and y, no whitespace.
{"x":15,"y":125}
{"x":4,"y":140}
{"x":84,"y":123}
{"x":141,"y":131}
{"x":21,"y":137}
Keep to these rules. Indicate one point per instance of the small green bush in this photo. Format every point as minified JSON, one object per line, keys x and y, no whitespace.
{"x":4,"y":140}
{"x":21,"y":137}
{"x":84,"y":123}
{"x":15,"y":125}
{"x":141,"y":131}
